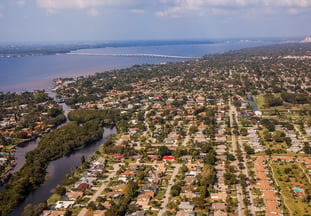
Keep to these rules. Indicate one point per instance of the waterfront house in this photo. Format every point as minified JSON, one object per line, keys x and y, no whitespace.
{"x":64,"y":204}
{"x":74,"y":195}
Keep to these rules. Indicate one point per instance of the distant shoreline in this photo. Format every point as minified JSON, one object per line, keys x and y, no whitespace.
{"x":38,"y":71}
{"x":60,"y":49}
{"x":13,"y":51}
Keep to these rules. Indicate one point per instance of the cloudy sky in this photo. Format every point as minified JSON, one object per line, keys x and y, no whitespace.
{"x":78,"y":20}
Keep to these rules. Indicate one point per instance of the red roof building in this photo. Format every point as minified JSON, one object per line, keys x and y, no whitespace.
{"x":220,"y":135}
{"x":166,"y":157}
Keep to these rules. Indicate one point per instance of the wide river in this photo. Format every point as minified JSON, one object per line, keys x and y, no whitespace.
{"x":36,"y":72}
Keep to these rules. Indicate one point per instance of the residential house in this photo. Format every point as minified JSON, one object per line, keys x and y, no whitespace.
{"x":64,"y":204}
{"x":219,"y":206}
{"x":219,"y":196}
{"x":186,"y":206}
{"x":143,"y":200}
{"x":220,"y":213}
{"x":74,"y":195}
{"x":99,"y":212}
{"x":53,"y":213}
{"x":184,"y":213}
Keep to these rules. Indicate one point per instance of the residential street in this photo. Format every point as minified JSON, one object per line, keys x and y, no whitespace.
{"x":235,"y":163}
{"x":244,"y":170}
{"x":168,"y":190}
{"x":187,"y":138}
{"x":101,"y":189}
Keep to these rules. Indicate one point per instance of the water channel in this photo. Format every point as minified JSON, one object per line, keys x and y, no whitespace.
{"x":252,"y":102}
{"x":57,"y":170}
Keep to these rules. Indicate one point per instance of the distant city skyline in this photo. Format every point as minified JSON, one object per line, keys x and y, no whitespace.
{"x":107,"y":20}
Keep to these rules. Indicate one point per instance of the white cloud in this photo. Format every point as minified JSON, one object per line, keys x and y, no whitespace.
{"x":90,"y":7}
{"x":78,"y":4}
{"x":181,"y":7}
{"x":288,"y":3}
{"x":176,"y":8}
{"x":137,"y":11}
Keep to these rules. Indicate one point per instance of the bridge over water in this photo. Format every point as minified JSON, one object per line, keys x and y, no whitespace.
{"x":134,"y":55}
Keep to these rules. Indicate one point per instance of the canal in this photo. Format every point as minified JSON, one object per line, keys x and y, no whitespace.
{"x":57,"y":170}
{"x":23,"y":148}
{"x":252,"y":102}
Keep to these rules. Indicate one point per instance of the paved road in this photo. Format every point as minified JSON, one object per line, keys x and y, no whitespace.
{"x":245,"y":169}
{"x":168,"y":190}
{"x":235,"y":163}
{"x":101,"y":189}
{"x":186,"y":140}
{"x":147,"y":129}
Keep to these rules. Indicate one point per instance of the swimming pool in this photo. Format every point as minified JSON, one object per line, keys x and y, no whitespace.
{"x":297,"y":190}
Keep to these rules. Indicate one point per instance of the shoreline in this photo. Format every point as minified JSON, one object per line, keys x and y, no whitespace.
{"x":75,"y":65}
{"x":50,"y":49}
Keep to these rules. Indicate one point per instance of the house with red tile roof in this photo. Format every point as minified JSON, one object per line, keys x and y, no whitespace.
{"x":167,"y":157}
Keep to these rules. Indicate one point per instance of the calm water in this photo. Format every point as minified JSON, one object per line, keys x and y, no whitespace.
{"x":36,"y":72}
{"x":57,"y":171}
{"x":23,"y":149}
{"x":252,"y":102}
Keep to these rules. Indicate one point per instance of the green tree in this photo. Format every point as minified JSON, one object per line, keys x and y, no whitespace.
{"x":278,"y":136}
{"x":92,"y":205}
{"x":183,"y":168}
{"x":61,"y":190}
{"x":307,"y":148}
{"x":164,"y":150}
{"x":267,"y":135}
{"x":249,"y":150}
{"x":193,"y":129}
{"x":243,"y":132}
{"x":175,"y":190}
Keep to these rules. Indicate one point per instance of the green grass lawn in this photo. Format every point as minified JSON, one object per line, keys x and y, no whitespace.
{"x":287,"y":181}
{"x":53,"y":199}
{"x":259,"y":100}
{"x":276,"y":146}
{"x":160,"y":194}
{"x":76,"y":210}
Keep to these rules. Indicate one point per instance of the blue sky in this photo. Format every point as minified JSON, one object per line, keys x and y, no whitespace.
{"x":79,"y":20}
